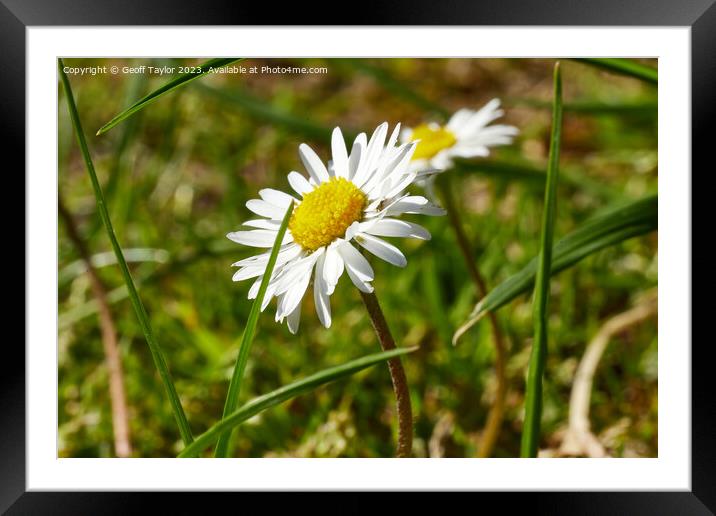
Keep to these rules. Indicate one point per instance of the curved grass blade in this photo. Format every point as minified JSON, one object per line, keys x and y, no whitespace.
{"x":533,"y":176}
{"x":285,"y":393}
{"x":611,"y":227}
{"x":640,"y":108}
{"x":398,"y":88}
{"x":624,"y":67}
{"x":538,"y":355}
{"x":154,"y":348}
{"x":183,"y":79}
{"x":222,"y":446}
{"x":261,"y":109}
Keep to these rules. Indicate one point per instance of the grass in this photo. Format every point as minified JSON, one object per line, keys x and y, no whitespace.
{"x":538,"y":355}
{"x":612,"y":227}
{"x":626,"y":67}
{"x":157,"y":355}
{"x":192,"y":160}
{"x":223,"y":443}
{"x":179,"y":81}
{"x":287,"y":392}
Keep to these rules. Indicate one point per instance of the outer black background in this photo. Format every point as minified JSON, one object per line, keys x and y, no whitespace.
{"x":16,"y":15}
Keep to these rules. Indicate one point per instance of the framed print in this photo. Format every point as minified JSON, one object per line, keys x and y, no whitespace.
{"x":330,"y":256}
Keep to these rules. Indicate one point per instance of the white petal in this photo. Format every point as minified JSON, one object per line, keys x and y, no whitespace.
{"x":248,"y":272}
{"x":332,"y":268}
{"x":285,"y":254}
{"x":376,"y":145}
{"x":258,"y":237}
{"x":360,"y":284}
{"x":299,"y":183}
{"x":338,"y":151}
{"x":457,"y":121}
{"x":255,"y":286}
{"x":397,"y":187}
{"x":398,"y":228}
{"x":356,"y":264}
{"x":397,"y":165}
{"x":263,"y":224}
{"x":315,"y":167}
{"x":294,"y":319}
{"x":480,"y":119}
{"x":394,"y":136}
{"x":406,"y":135}
{"x":352,"y":230}
{"x":382,"y":249}
{"x":265,"y":209}
{"x":357,"y":157}
{"x":320,"y":294}
{"x":415,"y":204}
{"x":270,"y":290}
{"x":297,"y":270}
{"x":467,"y":151}
{"x":294,"y":295}
{"x":277,"y":198}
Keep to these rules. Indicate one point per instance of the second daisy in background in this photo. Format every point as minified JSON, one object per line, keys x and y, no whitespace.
{"x":468,"y":134}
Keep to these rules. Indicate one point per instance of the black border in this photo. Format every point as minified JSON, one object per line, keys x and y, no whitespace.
{"x":700,"y":15}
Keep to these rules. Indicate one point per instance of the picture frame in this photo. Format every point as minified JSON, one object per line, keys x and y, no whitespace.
{"x":17,"y":16}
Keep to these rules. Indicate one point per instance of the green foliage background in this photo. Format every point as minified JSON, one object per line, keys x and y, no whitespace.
{"x":177,"y":175}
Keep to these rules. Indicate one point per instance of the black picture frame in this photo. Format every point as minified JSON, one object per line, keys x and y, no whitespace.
{"x":700,"y":15}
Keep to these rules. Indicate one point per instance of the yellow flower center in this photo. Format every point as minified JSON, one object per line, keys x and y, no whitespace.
{"x":326,"y":212}
{"x":432,"y":141}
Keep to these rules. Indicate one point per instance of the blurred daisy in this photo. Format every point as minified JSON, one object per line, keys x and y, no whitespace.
{"x":466,"y":135}
{"x":352,"y":201}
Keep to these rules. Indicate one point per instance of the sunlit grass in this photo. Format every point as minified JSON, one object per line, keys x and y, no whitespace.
{"x":190,"y":161}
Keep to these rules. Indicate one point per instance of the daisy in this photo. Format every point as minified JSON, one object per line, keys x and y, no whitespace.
{"x":352,"y":201}
{"x":466,"y":135}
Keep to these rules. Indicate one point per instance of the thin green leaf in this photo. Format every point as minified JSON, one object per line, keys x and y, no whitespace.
{"x":645,"y":108}
{"x":183,"y":79}
{"x":398,"y":88}
{"x":119,"y":161}
{"x":608,"y":228}
{"x":533,"y":176}
{"x":538,"y":355}
{"x":154,"y":348}
{"x":624,"y":67}
{"x":285,"y":393}
{"x":222,"y":445}
{"x":262,"y":110}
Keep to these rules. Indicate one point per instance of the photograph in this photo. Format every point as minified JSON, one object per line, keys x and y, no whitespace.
{"x":429,"y":257}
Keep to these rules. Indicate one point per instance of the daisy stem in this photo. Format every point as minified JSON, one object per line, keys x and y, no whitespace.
{"x":496,"y":413}
{"x":397,"y":375}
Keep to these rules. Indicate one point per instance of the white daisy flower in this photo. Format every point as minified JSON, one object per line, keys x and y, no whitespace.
{"x":466,"y":135}
{"x":352,"y":201}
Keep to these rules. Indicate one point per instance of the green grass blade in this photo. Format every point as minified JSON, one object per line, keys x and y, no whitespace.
{"x":624,"y":67}
{"x":183,"y":79}
{"x":398,"y":88}
{"x":262,"y":110}
{"x":154,"y":348}
{"x":641,"y":108}
{"x":285,"y":393}
{"x":538,"y":355}
{"x":222,"y":445}
{"x":534,"y":176}
{"x":609,"y":228}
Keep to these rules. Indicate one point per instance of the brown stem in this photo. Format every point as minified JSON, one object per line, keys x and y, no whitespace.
{"x":397,"y":375}
{"x":120,"y":417}
{"x":494,"y":417}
